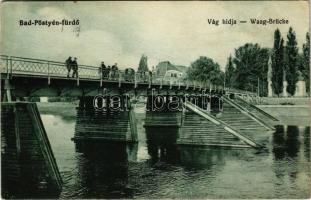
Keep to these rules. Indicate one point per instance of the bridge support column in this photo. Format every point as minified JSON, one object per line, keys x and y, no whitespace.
{"x":216,"y":104}
{"x":164,"y":103}
{"x":8,"y":87}
{"x":163,"y":111}
{"x":107,"y":117}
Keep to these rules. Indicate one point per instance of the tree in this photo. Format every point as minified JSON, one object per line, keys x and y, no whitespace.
{"x":217,"y":77}
{"x":277,"y":63}
{"x":205,"y":70}
{"x":229,"y":73}
{"x":143,"y":65}
{"x":291,"y":62}
{"x":251,"y":65}
{"x":305,"y":62}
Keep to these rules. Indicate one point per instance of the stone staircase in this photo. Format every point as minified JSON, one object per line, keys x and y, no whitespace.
{"x":196,"y":130}
{"x":240,"y":121}
{"x":269,"y":119}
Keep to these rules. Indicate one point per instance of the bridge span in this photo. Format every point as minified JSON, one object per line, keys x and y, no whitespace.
{"x":24,"y":77}
{"x":165,"y":100}
{"x":201,"y":114}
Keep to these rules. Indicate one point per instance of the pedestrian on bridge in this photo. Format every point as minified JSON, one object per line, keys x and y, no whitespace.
{"x":74,"y":66}
{"x":68,"y":63}
{"x":103,"y":71}
{"x":114,"y":70}
{"x":150,"y":76}
{"x":108,"y":72}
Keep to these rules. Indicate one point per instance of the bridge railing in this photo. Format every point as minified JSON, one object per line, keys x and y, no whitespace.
{"x":19,"y":65}
{"x":12,"y":65}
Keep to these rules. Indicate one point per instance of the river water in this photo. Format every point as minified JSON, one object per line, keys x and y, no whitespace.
{"x":157,"y":168}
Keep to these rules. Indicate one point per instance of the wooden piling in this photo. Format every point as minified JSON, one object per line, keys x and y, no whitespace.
{"x":29,"y":168}
{"x":105,"y":125}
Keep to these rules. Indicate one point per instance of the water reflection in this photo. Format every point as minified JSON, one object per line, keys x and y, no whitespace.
{"x":291,"y":151}
{"x":161,"y":144}
{"x":201,"y":158}
{"x":286,"y":142}
{"x":103,"y":168}
{"x":306,"y":135}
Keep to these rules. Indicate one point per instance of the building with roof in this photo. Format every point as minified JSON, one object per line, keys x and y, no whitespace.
{"x":170,"y":73}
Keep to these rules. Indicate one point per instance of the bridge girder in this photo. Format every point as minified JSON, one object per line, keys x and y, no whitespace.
{"x":36,"y":86}
{"x":24,"y":86}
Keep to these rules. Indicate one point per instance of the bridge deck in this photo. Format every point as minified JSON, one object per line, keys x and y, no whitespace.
{"x":12,"y":66}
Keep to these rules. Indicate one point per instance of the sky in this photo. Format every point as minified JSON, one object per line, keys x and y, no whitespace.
{"x":120,"y":32}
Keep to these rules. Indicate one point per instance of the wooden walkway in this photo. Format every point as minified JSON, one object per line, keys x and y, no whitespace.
{"x":47,"y":73}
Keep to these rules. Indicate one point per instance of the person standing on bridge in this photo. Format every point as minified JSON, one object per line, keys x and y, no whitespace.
{"x":74,"y":68}
{"x":68,"y":65}
{"x":114,"y":70}
{"x":103,"y":70}
{"x":108,"y":72}
{"x":150,"y":77}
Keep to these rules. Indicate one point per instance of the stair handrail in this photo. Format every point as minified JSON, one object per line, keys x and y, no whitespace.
{"x":224,"y":125}
{"x":247,"y":112}
{"x":258,"y":109}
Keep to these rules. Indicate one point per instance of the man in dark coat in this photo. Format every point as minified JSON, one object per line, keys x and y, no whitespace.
{"x":108,"y":72}
{"x":74,"y":68}
{"x":150,"y":76}
{"x":102,"y":70}
{"x":68,"y":65}
{"x":114,"y":70}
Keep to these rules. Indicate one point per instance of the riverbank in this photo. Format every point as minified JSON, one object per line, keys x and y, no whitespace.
{"x":64,"y":109}
{"x":284,"y":101}
{"x":289,"y":114}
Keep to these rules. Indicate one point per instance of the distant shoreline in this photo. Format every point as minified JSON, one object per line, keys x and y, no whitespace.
{"x":264,"y":101}
{"x":65,"y":109}
{"x":289,"y":114}
{"x":282,"y":106}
